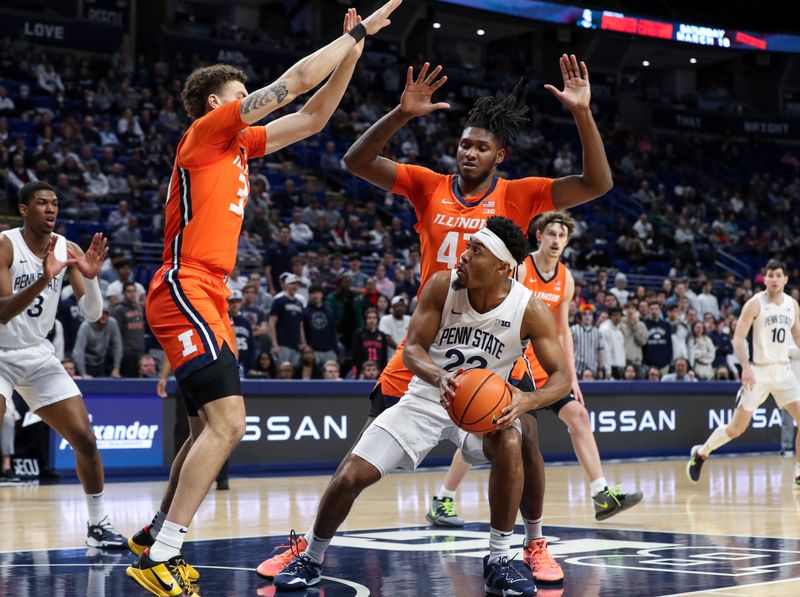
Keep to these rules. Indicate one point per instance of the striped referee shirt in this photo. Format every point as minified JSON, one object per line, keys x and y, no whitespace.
{"x":587,"y":342}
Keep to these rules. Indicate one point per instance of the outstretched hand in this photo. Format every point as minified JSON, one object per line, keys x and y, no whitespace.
{"x":52,"y":265}
{"x":577,"y":92}
{"x":380,"y":18}
{"x":89,"y":263}
{"x":416,"y":98}
{"x":351,"y":19}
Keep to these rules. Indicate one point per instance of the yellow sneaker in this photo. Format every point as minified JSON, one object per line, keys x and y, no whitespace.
{"x":142,"y":540}
{"x":163,"y":579}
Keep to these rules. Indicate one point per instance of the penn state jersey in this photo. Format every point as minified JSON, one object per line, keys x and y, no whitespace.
{"x":31,"y":326}
{"x":772,"y":330}
{"x":475,"y":340}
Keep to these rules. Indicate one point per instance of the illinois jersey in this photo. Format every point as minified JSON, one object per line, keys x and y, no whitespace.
{"x":552,"y":291}
{"x":445,"y":222}
{"x":187,"y":304}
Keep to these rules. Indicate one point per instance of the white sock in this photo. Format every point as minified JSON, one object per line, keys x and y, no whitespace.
{"x":533,"y":529}
{"x":97,"y":510}
{"x":446,"y":493}
{"x":156,"y":523}
{"x":718,"y":438}
{"x":797,"y":469}
{"x":316,"y":548}
{"x":597,"y":486}
{"x":499,"y":544}
{"x":169,"y":542}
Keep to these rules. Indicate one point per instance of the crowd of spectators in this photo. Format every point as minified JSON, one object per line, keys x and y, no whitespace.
{"x":328,"y":268}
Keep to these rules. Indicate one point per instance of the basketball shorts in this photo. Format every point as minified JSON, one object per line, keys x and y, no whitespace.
{"x":378,"y":402}
{"x":36,"y":374}
{"x":403,"y":435}
{"x":395,"y":377}
{"x":187,"y":311}
{"x":778,"y":380}
{"x":526,"y":385}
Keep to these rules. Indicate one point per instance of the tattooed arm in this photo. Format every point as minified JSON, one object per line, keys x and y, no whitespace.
{"x":310,"y":71}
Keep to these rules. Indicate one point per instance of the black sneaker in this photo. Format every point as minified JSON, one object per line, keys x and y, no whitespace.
{"x":9,"y":477}
{"x":695,"y":465}
{"x":612,"y":500}
{"x":300,"y":574}
{"x":501,"y":578}
{"x":105,"y":535}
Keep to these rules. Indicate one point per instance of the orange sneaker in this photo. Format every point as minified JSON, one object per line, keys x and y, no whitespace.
{"x":283,"y":554}
{"x":543,"y":566}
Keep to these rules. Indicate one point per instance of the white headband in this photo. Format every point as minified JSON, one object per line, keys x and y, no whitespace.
{"x":495,"y":245}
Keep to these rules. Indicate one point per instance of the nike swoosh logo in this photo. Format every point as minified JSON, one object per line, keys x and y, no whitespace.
{"x":454,"y":312}
{"x":184,"y":531}
{"x":602,"y":504}
{"x":445,"y":202}
{"x":165,"y":586}
{"x":494,"y":420}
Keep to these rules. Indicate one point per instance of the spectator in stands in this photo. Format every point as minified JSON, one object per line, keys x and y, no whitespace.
{"x":329,"y":161}
{"x":722,"y":373}
{"x":320,"y":326}
{"x":706,"y":302}
{"x":119,"y":216}
{"x":285,"y":370}
{"x":98,"y":347}
{"x":331,"y":371}
{"x":147,"y":367}
{"x":48,"y":79}
{"x":286,"y":323}
{"x":256,"y":316}
{"x":247,"y":253}
{"x":95,"y":181}
{"x":395,"y":324}
{"x":563,"y":165}
{"x":245,"y":342}
{"x":118,"y":182}
{"x":69,"y":367}
{"x":124,"y":275}
{"x":635,"y":332}
{"x":279,"y":258}
{"x":588,"y":343}
{"x":357,"y":278}
{"x":308,"y":367}
{"x":701,"y":352}
{"x":7,"y":106}
{"x":265,"y":367}
{"x":258,"y":227}
{"x":405,"y":283}
{"x":129,"y":237}
{"x":630,"y":373}
{"x":130,"y":319}
{"x":644,"y":229}
{"x":657,"y":352}
{"x":614,"y":344}
{"x":369,"y":371}
{"x":17,"y":176}
{"x":681,"y":372}
{"x":646,"y":196}
{"x":620,"y":290}
{"x":299,"y":231}
{"x":679,"y":333}
{"x":289,"y":198}
{"x":312,"y":213}
{"x":369,"y":343}
{"x":653,"y":374}
{"x":345,"y":305}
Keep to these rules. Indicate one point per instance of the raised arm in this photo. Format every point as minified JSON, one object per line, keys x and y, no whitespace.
{"x":539,"y":326}
{"x":749,"y":313}
{"x":311,"y":70}
{"x":422,"y":332}
{"x":83,"y":276}
{"x":363,"y":159}
{"x":313,"y":117}
{"x":595,"y":180}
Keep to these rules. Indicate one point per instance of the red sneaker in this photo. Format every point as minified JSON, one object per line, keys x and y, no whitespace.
{"x":283,"y":555}
{"x":543,"y":566}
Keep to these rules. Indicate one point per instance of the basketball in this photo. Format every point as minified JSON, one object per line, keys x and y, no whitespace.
{"x":480,"y":396}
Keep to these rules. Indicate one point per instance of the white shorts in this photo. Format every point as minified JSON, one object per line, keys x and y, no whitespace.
{"x":36,"y":374}
{"x":403,"y":435}
{"x":778,"y":380}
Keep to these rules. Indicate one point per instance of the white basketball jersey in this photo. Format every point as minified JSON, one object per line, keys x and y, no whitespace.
{"x":772,"y":330}
{"x":31,"y":326}
{"x":475,"y":340}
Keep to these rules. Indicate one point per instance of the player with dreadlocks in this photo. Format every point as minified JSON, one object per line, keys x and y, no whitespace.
{"x":450,"y":208}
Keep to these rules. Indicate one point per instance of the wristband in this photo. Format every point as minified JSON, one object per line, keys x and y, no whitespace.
{"x":358,"y":32}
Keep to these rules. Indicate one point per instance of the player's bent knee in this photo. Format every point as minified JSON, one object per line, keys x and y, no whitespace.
{"x":355,"y":476}
{"x":84,"y":443}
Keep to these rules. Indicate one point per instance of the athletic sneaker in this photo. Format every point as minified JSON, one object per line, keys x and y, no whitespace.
{"x":142,"y":540}
{"x":282,"y":555}
{"x":301,"y":573}
{"x":9,"y":477}
{"x":543,"y":566}
{"x":501,"y":578}
{"x":443,"y":513}
{"x":612,"y":501}
{"x":165,"y":579}
{"x":694,"y":465}
{"x":797,"y":482}
{"x":103,"y":534}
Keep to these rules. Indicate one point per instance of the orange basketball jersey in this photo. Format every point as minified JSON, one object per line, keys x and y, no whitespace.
{"x":551,"y":291}
{"x":187,"y":303}
{"x":445,"y":222}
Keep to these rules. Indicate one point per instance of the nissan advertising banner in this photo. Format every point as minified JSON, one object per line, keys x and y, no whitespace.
{"x":301,"y":426}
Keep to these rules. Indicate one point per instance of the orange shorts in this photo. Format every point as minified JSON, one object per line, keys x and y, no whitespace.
{"x":395,"y":377}
{"x":538,"y":374}
{"x":187,"y":311}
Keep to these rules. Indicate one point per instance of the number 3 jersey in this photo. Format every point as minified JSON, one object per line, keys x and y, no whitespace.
{"x":31,"y":326}
{"x":471,"y":340}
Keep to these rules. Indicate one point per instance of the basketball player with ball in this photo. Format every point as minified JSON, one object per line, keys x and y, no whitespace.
{"x":473,"y":317}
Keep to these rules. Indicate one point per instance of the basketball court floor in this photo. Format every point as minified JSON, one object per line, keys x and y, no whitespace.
{"x":736,"y":533}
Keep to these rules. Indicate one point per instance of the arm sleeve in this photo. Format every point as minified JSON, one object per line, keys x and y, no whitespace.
{"x":418,"y":184}
{"x":91,"y":303}
{"x":526,"y":198}
{"x":210,"y":135}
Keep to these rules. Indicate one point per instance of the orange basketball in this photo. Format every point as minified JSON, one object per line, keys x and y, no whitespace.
{"x":480,"y":396}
